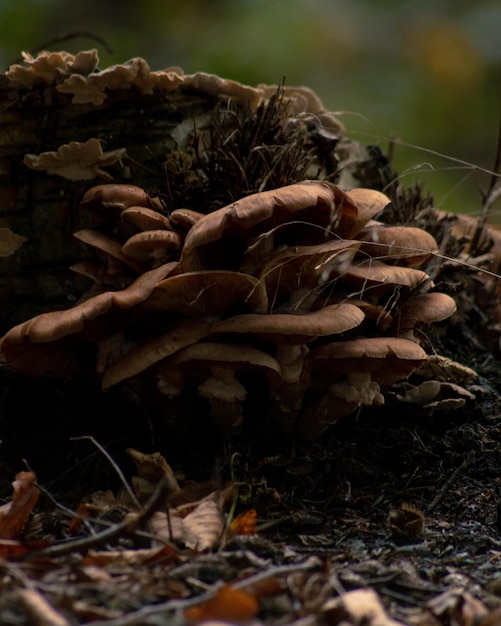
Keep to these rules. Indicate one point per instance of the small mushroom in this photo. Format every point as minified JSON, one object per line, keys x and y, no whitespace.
{"x":115,"y":198}
{"x":184,"y":219}
{"x":366,"y":363}
{"x":152,"y":247}
{"x":425,"y":308}
{"x":140,"y":218}
{"x":217,"y":366}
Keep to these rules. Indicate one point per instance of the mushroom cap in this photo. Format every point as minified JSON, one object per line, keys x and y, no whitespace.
{"x":369,"y":203}
{"x":55,"y":325}
{"x":388,"y":358}
{"x":152,"y":245}
{"x":181,"y":334}
{"x":425,"y":308}
{"x":297,"y":268}
{"x":287,"y":328}
{"x":236,"y":357}
{"x":404,"y":244}
{"x":116,"y":198}
{"x":107,"y":246}
{"x":183,"y":219}
{"x":144,"y":218}
{"x":207,"y":294}
{"x":299,"y":213}
{"x":377,"y":277}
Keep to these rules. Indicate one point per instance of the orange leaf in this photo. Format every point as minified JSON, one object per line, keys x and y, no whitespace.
{"x":245,"y":523}
{"x":84,"y":510}
{"x":14,"y":514}
{"x":232,"y":605}
{"x":10,"y":549}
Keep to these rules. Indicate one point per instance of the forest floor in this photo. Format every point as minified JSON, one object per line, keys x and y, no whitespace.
{"x":338,"y":537}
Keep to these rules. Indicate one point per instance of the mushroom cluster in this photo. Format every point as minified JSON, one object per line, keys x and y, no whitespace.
{"x":293,"y":303}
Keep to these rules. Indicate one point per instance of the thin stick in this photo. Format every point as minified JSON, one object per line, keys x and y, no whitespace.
{"x":126,"y":527}
{"x":445,"y":487}
{"x":140,"y":617}
{"x":126,"y":485}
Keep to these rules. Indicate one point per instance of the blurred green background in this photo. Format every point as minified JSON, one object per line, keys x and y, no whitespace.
{"x":424,"y":72}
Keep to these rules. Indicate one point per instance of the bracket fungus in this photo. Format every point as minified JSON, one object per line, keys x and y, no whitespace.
{"x":76,"y":160}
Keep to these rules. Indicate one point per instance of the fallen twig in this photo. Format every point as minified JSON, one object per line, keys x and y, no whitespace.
{"x":125,"y":527}
{"x":443,"y":490}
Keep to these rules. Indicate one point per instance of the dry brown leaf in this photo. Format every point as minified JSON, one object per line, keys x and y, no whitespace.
{"x":198,"y":526}
{"x":229,"y":604}
{"x":456,"y":606}
{"x":14,"y":514}
{"x":245,"y":523}
{"x":32,"y":603}
{"x":151,"y":468}
{"x":360,"y":606}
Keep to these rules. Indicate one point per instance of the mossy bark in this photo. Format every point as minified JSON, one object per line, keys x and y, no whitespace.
{"x":44,"y":208}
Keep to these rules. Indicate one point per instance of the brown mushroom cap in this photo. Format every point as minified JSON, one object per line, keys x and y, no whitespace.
{"x":425,"y":308}
{"x":298,"y":271}
{"x":388,"y":359}
{"x":184,"y":219}
{"x":108,"y":247}
{"x":377,"y":277}
{"x":303,"y":211}
{"x":143,"y":218}
{"x":58,"y":324}
{"x":181,"y":334}
{"x":207,"y":294}
{"x":152,"y":245}
{"x":404,"y":244}
{"x":369,"y":203}
{"x":117,"y":197}
{"x":286,"y":328}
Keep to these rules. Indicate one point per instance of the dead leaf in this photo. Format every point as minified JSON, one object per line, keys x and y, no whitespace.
{"x":245,"y":523}
{"x":14,"y":514}
{"x":151,"y":468}
{"x":33,"y":604}
{"x":360,"y":606}
{"x":198,"y":526}
{"x":457,"y":606}
{"x":229,"y":604}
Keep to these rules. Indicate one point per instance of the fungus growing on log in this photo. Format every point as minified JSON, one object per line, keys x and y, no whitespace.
{"x":291,"y":271}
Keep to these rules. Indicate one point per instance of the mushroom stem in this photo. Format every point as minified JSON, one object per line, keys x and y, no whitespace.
{"x":291,"y":359}
{"x":358,"y":388}
{"x":225,"y":394}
